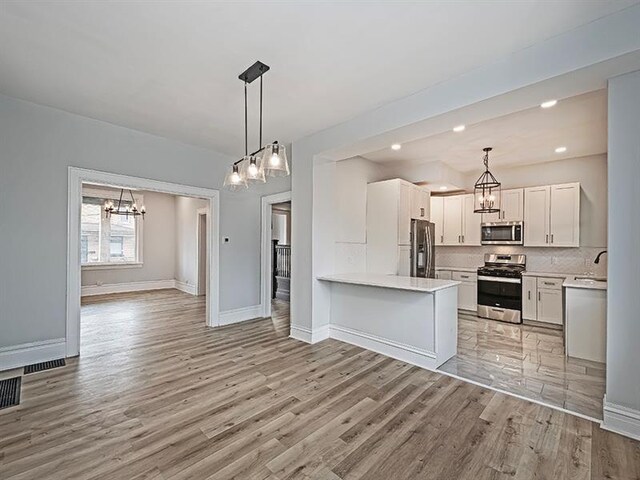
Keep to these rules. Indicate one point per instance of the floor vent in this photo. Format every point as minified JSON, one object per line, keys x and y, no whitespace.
{"x":9,"y":392}
{"x":39,"y":367}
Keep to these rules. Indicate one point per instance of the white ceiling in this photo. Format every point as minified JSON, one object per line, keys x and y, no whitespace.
{"x":170,"y":68}
{"x":521,"y":138}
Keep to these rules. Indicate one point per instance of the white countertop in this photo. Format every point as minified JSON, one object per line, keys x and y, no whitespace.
{"x":415,"y":284}
{"x":588,"y":283}
{"x":459,"y":269}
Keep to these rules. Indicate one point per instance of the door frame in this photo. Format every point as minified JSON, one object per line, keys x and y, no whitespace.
{"x":265,"y":248}
{"x":201,"y":212}
{"x":78,"y":176}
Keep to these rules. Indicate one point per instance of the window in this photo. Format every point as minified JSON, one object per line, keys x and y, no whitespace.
{"x":108,"y":241}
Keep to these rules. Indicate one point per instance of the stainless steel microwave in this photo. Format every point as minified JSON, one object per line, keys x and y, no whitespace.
{"x":502,"y":233}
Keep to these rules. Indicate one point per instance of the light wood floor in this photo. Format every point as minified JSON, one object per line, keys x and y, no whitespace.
{"x":529,"y":361}
{"x":157,"y":395}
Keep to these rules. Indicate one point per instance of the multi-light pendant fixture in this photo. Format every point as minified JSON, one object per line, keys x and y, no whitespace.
{"x":129,"y":208}
{"x":269,"y":160}
{"x":487,"y":190}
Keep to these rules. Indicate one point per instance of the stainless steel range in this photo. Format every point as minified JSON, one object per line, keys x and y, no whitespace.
{"x":500,"y":287}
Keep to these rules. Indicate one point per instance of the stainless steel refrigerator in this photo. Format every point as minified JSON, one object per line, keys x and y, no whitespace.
{"x":423,"y":253}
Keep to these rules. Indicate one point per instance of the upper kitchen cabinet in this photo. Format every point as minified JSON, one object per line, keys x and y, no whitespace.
{"x":456,"y":223}
{"x":552,"y":216}
{"x":437,"y":217}
{"x":511,"y":207}
{"x":420,"y":203}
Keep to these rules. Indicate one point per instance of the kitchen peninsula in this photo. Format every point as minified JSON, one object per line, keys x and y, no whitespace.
{"x":408,"y":318}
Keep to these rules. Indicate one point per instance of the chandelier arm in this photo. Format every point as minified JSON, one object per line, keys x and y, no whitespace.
{"x":246,"y":141}
{"x":260,"y":138}
{"x":120,"y":200}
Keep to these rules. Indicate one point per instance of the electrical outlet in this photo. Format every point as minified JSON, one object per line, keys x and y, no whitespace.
{"x":99,"y":283}
{"x":554,"y":260}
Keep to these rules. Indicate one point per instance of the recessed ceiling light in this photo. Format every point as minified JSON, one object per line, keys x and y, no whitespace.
{"x":444,"y":187}
{"x":548,"y":103}
{"x":396,"y":146}
{"x":561,"y":149}
{"x":459,"y":128}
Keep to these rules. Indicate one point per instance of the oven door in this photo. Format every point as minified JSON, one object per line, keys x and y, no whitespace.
{"x":500,"y":298}
{"x":502,"y":233}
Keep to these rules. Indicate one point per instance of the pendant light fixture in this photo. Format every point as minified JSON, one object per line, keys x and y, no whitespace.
{"x":269,"y":160}
{"x":129,"y":208}
{"x":487,"y":191}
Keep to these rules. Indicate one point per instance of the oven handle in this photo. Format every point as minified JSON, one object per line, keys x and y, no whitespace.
{"x":499,"y":279}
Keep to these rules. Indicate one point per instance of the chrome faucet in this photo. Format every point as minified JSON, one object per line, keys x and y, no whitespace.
{"x":597,"y":260}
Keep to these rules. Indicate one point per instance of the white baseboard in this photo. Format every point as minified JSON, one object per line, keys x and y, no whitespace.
{"x":240,"y":314}
{"x":404,"y":353}
{"x":186,"y":287}
{"x":307,"y":335}
{"x":622,"y":420}
{"x":108,"y":288}
{"x":17,"y":356}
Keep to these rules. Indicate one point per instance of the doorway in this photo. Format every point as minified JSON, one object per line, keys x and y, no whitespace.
{"x":78,"y":177}
{"x":202,"y":252}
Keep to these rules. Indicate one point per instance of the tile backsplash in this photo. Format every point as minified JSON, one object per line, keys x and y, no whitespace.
{"x":556,"y":260}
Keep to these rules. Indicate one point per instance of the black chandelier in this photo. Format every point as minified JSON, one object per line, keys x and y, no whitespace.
{"x":129,"y":207}
{"x":268,"y":160}
{"x":487,"y":190}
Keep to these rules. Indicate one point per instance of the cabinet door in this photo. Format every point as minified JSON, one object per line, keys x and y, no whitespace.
{"x":512,"y":205}
{"x":565,"y":215}
{"x":491,"y":217}
{"x":468,"y":296}
{"x":550,"y":306}
{"x":415,"y":203}
{"x":536,"y":217}
{"x":404,"y":260}
{"x":453,"y":220}
{"x":404,"y":215}
{"x":437,"y":217}
{"x":529,"y":298}
{"x":425,"y":204}
{"x":443,"y":274}
{"x":471,"y":223}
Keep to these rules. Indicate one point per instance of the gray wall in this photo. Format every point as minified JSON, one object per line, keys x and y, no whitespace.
{"x":590,"y":171}
{"x":37,"y":145}
{"x":186,"y":259}
{"x":158,"y":246}
{"x":623,"y":306}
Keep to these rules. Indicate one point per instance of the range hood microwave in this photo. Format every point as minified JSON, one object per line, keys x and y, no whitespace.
{"x":502,"y":233}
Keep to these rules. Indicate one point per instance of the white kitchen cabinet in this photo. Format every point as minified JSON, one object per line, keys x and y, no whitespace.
{"x":536,"y":216}
{"x":529,"y":298}
{"x":468,"y":296}
{"x":586,"y":324}
{"x":443,"y":274}
{"x":552,"y":216}
{"x":564,"y":218}
{"x":453,"y":220}
{"x":471,"y":223}
{"x":420,"y":203}
{"x":404,"y":260}
{"x":511,"y":207}
{"x":437,"y":217}
{"x":388,"y":226}
{"x":549,"y":306}
{"x":542,"y":299}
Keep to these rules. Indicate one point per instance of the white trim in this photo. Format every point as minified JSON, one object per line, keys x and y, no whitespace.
{"x":200,"y":290}
{"x":300,"y":333}
{"x":240,"y":314}
{"x":621,"y":419}
{"x":111,"y":266}
{"x":78,"y":176}
{"x":185,"y":287}
{"x":108,"y":288}
{"x":17,"y":356}
{"x":399,"y":351}
{"x":265,"y":249}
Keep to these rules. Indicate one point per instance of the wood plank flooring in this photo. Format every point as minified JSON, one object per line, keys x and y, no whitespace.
{"x":157,"y":395}
{"x":528,"y":361}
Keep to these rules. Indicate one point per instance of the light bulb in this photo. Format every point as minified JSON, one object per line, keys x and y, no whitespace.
{"x":253,"y":169}
{"x":143,"y":209}
{"x":274,"y":160}
{"x":235,"y":177}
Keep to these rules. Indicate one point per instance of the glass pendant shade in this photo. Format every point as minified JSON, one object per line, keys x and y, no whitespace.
{"x":234,"y":179}
{"x":252,"y":169}
{"x":274,"y":160}
{"x":487,"y":191}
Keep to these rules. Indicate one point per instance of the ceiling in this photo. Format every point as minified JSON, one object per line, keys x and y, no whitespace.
{"x":170,"y":68}
{"x":522,"y":138}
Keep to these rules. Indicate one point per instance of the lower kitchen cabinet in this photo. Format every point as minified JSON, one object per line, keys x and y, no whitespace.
{"x":467,"y":290}
{"x":443,"y":274}
{"x":542,"y":300}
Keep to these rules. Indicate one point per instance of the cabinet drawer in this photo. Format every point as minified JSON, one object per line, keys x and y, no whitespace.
{"x":550,"y":283}
{"x":464,"y":276}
